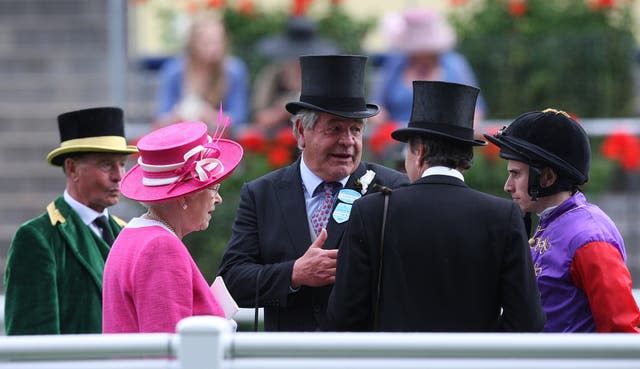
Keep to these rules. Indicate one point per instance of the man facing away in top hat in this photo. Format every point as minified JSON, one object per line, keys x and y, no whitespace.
{"x":453,"y":258}
{"x":282,"y":251}
{"x":53,"y":277}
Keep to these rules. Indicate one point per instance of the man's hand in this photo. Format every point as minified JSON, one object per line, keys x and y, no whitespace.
{"x":317,"y":267}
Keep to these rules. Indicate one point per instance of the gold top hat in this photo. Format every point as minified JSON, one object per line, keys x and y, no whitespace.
{"x":90,"y":130}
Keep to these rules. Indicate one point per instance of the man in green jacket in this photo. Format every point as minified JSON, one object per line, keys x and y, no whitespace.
{"x":53,"y":277}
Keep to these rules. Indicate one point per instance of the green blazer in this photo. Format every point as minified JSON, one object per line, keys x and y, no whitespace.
{"x":53,"y":277}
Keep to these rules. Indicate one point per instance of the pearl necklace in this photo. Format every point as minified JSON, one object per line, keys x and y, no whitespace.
{"x":157,"y":218}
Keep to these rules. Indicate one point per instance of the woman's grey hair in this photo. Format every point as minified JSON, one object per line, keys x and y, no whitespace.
{"x":440,"y":151}
{"x":309,"y":118}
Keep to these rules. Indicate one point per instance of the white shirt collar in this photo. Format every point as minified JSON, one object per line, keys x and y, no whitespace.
{"x":87,"y":214}
{"x":310,"y":180}
{"x":443,"y":171}
{"x":547,"y":211}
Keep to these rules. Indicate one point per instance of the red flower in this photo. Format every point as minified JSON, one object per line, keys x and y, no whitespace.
{"x":623,"y":147}
{"x":279,"y":156}
{"x":601,"y":4}
{"x":215,"y":4}
{"x":517,"y":8}
{"x":457,"y":2}
{"x":251,"y":139}
{"x":381,"y":139}
{"x":299,"y":7}
{"x":491,"y":151}
{"x":285,"y":137}
{"x":246,"y":7}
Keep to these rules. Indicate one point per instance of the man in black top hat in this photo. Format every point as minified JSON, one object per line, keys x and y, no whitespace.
{"x":282,"y":252}
{"x":453,"y":258}
{"x":53,"y":277}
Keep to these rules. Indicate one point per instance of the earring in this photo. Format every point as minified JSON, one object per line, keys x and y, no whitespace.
{"x":185,"y":206}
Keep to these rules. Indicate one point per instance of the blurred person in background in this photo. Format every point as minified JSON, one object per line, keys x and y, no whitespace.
{"x":194,"y":84}
{"x":421,"y":45}
{"x":578,"y":254}
{"x":151,"y":281}
{"x":282,"y":252}
{"x":53,"y":277}
{"x":279,"y":81}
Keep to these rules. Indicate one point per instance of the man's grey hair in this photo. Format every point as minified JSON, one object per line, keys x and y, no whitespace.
{"x":309,"y":118}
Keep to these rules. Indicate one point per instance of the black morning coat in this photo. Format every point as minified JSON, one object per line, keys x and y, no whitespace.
{"x":270,"y":232}
{"x":455,"y":259}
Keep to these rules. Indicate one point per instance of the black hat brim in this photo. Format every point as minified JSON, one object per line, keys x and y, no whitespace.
{"x":535,"y":156}
{"x":404,"y":134}
{"x":371,"y":110}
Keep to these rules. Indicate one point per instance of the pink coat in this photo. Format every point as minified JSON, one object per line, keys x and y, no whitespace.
{"x":151,"y":282}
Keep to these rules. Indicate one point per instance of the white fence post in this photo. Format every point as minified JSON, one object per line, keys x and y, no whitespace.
{"x":202,"y":342}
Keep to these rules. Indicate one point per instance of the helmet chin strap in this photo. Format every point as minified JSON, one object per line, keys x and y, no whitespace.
{"x":536,"y":191}
{"x":534,"y":188}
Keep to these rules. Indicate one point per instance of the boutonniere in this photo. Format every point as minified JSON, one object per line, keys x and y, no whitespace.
{"x":364,"y":181}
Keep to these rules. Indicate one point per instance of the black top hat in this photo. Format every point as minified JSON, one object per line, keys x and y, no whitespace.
{"x":442,"y":109}
{"x":547,"y":138}
{"x":300,"y":38}
{"x":333,"y":84}
{"x":90,"y":130}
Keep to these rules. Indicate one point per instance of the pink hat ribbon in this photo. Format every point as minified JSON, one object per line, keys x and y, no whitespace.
{"x":200,"y":164}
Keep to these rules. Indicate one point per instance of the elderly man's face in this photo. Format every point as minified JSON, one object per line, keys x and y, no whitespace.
{"x":333,"y":148}
{"x":94,"y":179}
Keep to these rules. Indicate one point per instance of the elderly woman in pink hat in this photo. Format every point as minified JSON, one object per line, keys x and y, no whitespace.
{"x":150,"y":280}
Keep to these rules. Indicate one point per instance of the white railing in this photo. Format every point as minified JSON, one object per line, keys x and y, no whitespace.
{"x":207,"y":342}
{"x":244,"y":316}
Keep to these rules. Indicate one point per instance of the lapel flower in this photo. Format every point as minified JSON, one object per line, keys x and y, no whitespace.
{"x":364,"y":181}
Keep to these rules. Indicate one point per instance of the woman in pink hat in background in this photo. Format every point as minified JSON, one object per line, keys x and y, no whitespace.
{"x":422,"y":49}
{"x":150,"y":280}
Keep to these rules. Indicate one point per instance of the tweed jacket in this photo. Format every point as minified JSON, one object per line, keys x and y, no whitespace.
{"x":53,"y":277}
{"x":270,"y":232}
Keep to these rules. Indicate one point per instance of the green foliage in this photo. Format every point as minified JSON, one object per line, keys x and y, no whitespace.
{"x":572,"y":54}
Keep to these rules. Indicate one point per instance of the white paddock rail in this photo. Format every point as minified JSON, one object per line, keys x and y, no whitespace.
{"x":206,"y":342}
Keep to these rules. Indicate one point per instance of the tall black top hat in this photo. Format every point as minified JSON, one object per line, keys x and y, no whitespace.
{"x":441,"y":109}
{"x":90,"y":130}
{"x":334,"y":84}
{"x":547,"y":138}
{"x":300,"y":38}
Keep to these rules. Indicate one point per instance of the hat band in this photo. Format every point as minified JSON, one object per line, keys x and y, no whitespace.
{"x":457,"y":131}
{"x":100,"y":141}
{"x":200,"y":164}
{"x":336,"y":103}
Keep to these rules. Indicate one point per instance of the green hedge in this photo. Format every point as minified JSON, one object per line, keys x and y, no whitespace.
{"x":576,"y":55}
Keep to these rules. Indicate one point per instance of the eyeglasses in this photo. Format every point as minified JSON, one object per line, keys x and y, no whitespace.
{"x":215,"y":188}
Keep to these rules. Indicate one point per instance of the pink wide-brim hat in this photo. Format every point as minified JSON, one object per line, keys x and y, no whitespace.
{"x":178,"y":160}
{"x":419,"y":30}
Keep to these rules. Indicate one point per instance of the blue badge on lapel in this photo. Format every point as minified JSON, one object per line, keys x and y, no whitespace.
{"x":348,"y":196}
{"x":342,"y":212}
